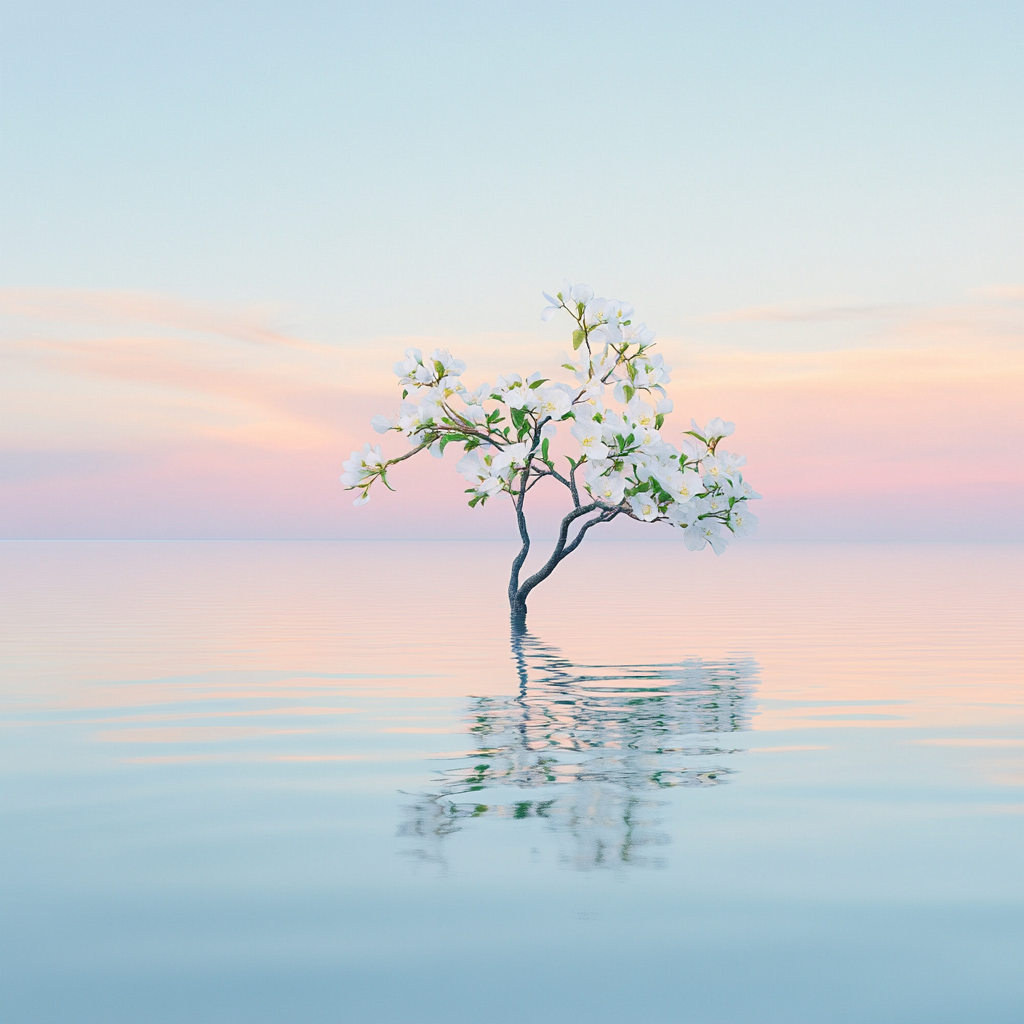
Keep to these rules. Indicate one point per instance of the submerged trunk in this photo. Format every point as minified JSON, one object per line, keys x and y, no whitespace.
{"x":518,"y":615}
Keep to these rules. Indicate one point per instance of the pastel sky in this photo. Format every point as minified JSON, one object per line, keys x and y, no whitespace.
{"x":220,"y":223}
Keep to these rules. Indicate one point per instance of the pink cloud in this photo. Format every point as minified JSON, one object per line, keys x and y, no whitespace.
{"x":209,"y":424}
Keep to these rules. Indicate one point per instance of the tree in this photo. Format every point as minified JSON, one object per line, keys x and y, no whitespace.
{"x":628,"y":469}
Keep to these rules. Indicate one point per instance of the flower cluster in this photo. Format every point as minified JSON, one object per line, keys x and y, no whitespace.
{"x":614,"y":409}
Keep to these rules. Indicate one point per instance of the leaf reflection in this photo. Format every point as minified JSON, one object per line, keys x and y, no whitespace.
{"x":588,"y":749}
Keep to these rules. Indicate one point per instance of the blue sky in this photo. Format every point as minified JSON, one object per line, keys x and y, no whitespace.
{"x":422,"y":168}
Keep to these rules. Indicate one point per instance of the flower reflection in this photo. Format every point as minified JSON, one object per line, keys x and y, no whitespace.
{"x":589,"y":749}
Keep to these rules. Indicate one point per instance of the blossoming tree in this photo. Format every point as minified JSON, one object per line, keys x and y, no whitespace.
{"x":624,"y":467}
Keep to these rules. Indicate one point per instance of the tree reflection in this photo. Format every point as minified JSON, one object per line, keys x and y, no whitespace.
{"x":588,"y":749}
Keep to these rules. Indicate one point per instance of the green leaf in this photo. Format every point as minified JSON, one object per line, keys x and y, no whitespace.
{"x":537,"y":383}
{"x":569,"y":366}
{"x":577,"y":339}
{"x":659,"y":420}
{"x":473,"y":501}
{"x":405,"y":393}
{"x":628,"y":392}
{"x":448,"y":438}
{"x":439,"y":368}
{"x":544,"y":445}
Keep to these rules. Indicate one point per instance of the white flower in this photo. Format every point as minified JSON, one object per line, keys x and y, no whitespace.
{"x":510,"y":390}
{"x":704,"y":531}
{"x":362,"y":499}
{"x":362,"y":466}
{"x":644,"y":506}
{"x":581,"y":293}
{"x":479,"y":474}
{"x":683,"y":485}
{"x":408,"y":366}
{"x":411,"y":416}
{"x":721,"y":466}
{"x":553,"y":306}
{"x":553,"y":402}
{"x":653,"y":370}
{"x":715,"y":430}
{"x":605,"y":486}
{"x":695,"y":449}
{"x":716,"y":503}
{"x":448,"y":387}
{"x":445,"y":365}
{"x":611,"y":424}
{"x":618,"y":310}
{"x":639,"y":333}
{"x":588,"y":432}
{"x":477,"y":396}
{"x":737,"y":487}
{"x":513,"y":456}
{"x":472,"y":466}
{"x":640,"y":412}
{"x":682,"y":515}
{"x":646,"y":437}
{"x":743,"y":523}
{"x":643,"y":464}
{"x":381,"y":424}
{"x":596,"y":365}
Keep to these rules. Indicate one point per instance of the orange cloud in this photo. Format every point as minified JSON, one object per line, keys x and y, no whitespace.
{"x":127,"y":410}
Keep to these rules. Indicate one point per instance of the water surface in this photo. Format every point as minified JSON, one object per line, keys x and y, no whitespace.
{"x":321,"y":782}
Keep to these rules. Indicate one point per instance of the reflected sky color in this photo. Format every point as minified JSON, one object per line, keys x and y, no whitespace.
{"x":243,"y":781}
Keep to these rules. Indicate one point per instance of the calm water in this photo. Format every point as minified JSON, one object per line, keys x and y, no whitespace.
{"x":321,"y":782}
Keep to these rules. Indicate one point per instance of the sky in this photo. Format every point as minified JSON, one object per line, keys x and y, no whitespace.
{"x":221,"y":223}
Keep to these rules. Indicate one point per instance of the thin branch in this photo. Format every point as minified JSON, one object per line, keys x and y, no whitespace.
{"x":604,"y":517}
{"x":538,"y":473}
{"x":409,"y":454}
{"x":572,"y":485}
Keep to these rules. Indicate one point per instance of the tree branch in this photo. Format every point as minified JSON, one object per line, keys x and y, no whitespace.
{"x":524,"y":533}
{"x":518,"y":600}
{"x":605,"y":517}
